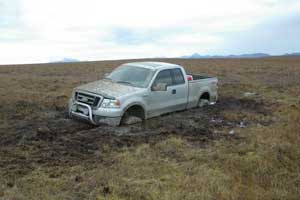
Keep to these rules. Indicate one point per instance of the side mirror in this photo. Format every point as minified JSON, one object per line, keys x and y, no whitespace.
{"x":159,"y":87}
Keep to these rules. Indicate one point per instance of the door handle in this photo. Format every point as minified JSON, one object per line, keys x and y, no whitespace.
{"x":174,"y":91}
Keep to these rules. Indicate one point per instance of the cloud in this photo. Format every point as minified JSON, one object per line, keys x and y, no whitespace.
{"x":39,"y":31}
{"x":9,"y":13}
{"x":275,"y":35}
{"x":126,"y":36}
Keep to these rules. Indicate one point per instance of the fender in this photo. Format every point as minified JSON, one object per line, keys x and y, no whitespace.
{"x":135,"y":103}
{"x":204,"y":90}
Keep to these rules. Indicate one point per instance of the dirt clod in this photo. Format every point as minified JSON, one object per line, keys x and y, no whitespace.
{"x":10,"y":184}
{"x":78,"y":178}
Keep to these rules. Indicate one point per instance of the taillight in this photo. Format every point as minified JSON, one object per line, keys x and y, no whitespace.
{"x":189,"y":77}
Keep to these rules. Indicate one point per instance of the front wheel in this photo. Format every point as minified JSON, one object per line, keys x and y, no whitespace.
{"x":128,"y":119}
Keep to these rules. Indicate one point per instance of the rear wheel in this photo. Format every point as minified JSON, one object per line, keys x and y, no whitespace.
{"x":204,"y":99}
{"x":203,"y":102}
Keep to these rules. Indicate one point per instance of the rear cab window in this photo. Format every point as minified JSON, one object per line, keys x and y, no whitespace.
{"x":178,"y":77}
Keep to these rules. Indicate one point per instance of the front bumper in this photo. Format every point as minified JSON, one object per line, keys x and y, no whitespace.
{"x":100,"y":116}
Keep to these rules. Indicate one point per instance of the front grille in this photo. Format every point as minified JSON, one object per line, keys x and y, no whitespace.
{"x":89,"y":99}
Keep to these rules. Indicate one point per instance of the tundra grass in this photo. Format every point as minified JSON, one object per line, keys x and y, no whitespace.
{"x":261,"y":162}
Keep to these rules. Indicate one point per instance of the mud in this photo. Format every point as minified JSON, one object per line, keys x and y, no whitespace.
{"x":55,"y":140}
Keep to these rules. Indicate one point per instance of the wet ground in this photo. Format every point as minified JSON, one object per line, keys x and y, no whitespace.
{"x":56,"y":140}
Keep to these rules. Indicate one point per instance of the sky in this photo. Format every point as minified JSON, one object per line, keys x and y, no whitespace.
{"x":35,"y":31}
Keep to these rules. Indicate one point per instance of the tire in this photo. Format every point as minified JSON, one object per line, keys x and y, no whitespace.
{"x":129,"y":119}
{"x":203,"y":102}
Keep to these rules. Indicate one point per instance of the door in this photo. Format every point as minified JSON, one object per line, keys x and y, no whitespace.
{"x":160,"y":102}
{"x":179,"y":90}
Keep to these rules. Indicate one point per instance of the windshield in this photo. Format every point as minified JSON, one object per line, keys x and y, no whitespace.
{"x":131,"y":75}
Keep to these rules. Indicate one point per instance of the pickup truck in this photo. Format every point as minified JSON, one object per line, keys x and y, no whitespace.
{"x":139,"y":91}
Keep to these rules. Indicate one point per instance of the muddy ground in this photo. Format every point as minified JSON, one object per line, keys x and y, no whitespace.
{"x":56,"y":140}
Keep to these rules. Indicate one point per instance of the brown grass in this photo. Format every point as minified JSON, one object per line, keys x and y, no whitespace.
{"x":261,"y":161}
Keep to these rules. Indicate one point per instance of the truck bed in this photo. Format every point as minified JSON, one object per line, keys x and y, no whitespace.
{"x":199,"y":76}
{"x":199,"y":84}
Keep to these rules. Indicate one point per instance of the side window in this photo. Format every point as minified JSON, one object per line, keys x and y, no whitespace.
{"x":178,"y":76}
{"x":164,"y":77}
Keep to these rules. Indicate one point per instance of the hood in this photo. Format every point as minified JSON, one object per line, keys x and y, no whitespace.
{"x":108,"y":88}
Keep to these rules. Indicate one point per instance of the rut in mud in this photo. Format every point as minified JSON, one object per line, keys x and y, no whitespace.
{"x":55,"y":140}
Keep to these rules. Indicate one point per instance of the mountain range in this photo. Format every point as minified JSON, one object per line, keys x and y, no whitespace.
{"x":66,"y":60}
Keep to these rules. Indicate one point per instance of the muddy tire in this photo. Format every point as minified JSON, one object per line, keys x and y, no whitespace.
{"x":203,"y":102}
{"x":128,"y":119}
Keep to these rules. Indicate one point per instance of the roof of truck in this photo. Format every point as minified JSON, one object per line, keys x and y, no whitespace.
{"x":152,"y":65}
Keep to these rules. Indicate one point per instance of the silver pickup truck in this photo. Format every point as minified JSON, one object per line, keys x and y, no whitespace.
{"x":141,"y":90}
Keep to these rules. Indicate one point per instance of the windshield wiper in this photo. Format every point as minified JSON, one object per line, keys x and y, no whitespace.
{"x":124,"y":82}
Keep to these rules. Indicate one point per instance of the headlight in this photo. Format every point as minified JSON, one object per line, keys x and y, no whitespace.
{"x":111,"y":103}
